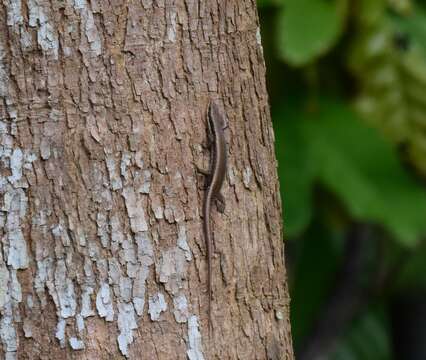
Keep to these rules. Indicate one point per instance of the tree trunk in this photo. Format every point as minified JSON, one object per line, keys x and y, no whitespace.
{"x":103,"y":110}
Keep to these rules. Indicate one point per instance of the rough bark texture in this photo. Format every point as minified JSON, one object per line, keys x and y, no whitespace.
{"x":102,"y":120}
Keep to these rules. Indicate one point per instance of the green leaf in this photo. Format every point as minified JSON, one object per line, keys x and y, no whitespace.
{"x":362,"y":168}
{"x":364,"y":171}
{"x":307,"y":29}
{"x":335,"y":148}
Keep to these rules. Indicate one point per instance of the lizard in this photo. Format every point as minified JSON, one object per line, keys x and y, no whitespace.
{"x":216,"y":177}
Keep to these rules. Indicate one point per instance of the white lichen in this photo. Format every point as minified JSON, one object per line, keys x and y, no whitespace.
{"x":171,"y":26}
{"x":102,"y":222}
{"x":125,"y":286}
{"x":15,"y":202}
{"x":127,"y":253}
{"x":15,"y":287}
{"x":44,"y":268}
{"x":14,"y":15}
{"x":3,"y":125}
{"x":13,"y":209}
{"x":76,"y":344}
{"x":26,"y":39}
{"x":180,"y":304}
{"x":86,"y":302}
{"x":7,"y":330}
{"x":61,"y":234}
{"x":16,"y":162}
{"x":60,"y":331}
{"x":139,"y":289}
{"x":195,"y":347}
{"x":65,"y":291}
{"x":17,"y":258}
{"x":126,"y":323}
{"x":135,"y":210}
{"x":47,"y":37}
{"x":4,"y":78}
{"x":172,"y":269}
{"x":145,"y":181}
{"x":182,"y":242}
{"x":247,"y":175}
{"x":125,"y":163}
{"x":45,"y":148}
{"x":104,"y":303}
{"x":156,"y":305}
{"x":258,"y":37}
{"x":4,"y":280}
{"x":117,"y":235}
{"x":90,"y":30}
{"x":114,"y":175}
{"x":79,"y":323}
{"x":27,"y":327}
{"x":145,"y":256}
{"x":145,"y":250}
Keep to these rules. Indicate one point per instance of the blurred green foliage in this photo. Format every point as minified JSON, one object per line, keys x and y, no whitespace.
{"x":313,"y":27}
{"x":347,"y":83}
{"x":388,"y":59}
{"x":330,"y":145}
{"x":367,"y":339}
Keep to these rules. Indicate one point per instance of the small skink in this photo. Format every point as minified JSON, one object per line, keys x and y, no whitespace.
{"x":216,"y":176}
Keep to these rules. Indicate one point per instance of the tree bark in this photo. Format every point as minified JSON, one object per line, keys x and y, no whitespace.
{"x":103,"y":109}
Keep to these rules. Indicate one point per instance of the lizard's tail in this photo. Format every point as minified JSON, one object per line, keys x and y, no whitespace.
{"x":208,"y":239}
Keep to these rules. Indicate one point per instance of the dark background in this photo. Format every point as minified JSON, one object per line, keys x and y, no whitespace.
{"x":347,"y":85}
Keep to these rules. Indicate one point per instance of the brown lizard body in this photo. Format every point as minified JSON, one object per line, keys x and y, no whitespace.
{"x":217,"y":176}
